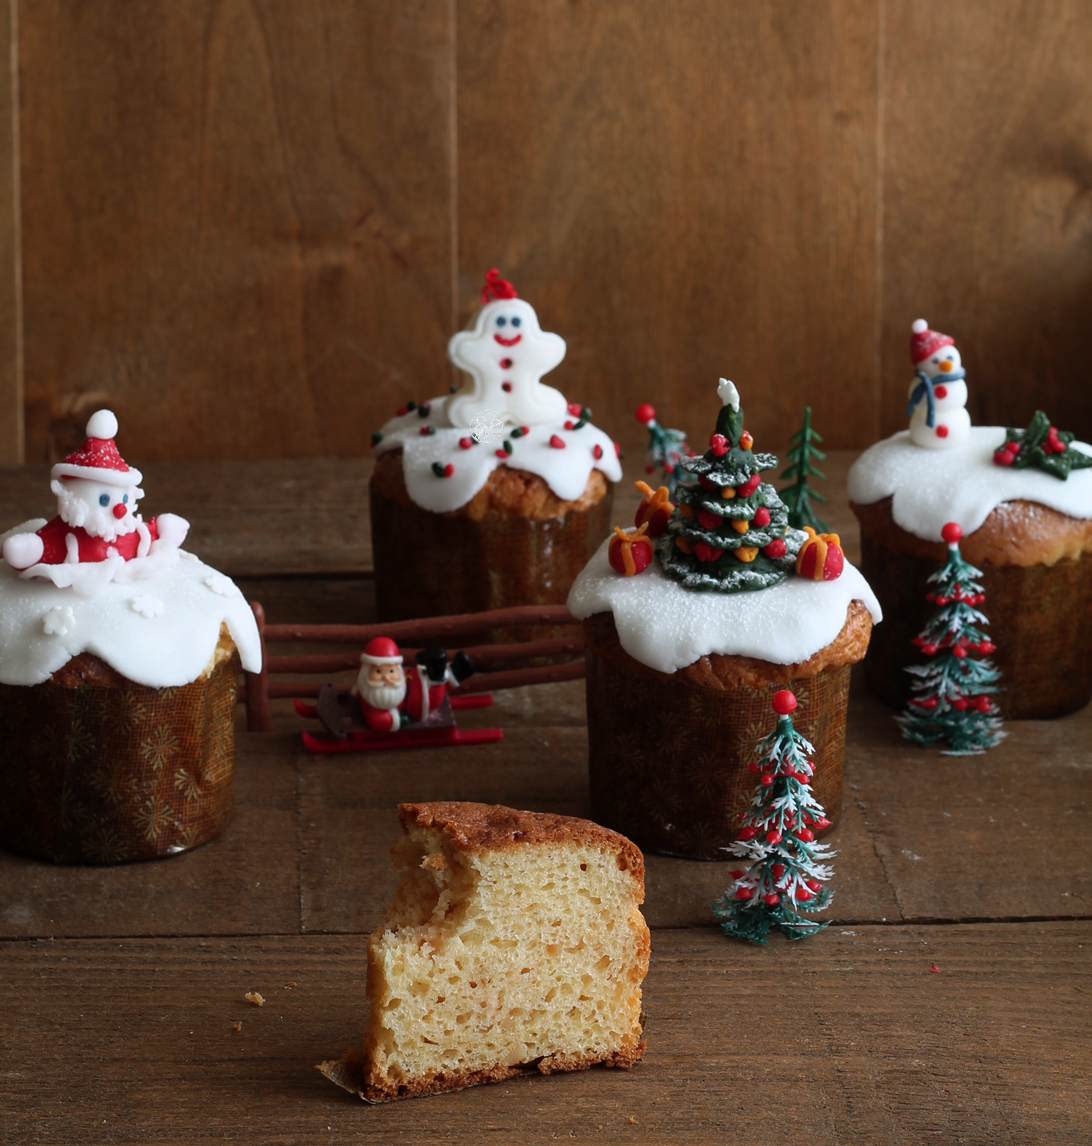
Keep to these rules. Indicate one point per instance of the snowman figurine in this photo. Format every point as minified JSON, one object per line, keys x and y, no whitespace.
{"x":506,"y":353}
{"x":938,"y":393}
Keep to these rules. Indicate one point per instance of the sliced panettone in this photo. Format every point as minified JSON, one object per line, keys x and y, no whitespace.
{"x":514,"y":941}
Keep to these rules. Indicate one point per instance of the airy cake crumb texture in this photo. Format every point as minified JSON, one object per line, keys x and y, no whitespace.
{"x":513,"y":940}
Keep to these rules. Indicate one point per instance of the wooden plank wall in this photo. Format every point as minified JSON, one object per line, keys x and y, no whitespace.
{"x":250,"y":226}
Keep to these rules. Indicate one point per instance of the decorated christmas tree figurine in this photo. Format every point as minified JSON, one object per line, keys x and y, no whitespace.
{"x":730,"y":530}
{"x":938,"y":393}
{"x":786,"y":872}
{"x":666,"y":448}
{"x":953,"y":692}
{"x":798,"y":496}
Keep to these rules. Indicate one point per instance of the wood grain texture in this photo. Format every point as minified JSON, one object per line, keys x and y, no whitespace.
{"x":681,"y":197}
{"x":11,"y":347}
{"x":988,"y":203}
{"x":134,"y":1041}
{"x":225,"y":203}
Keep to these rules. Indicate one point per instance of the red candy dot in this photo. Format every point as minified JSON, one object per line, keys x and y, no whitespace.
{"x":942,"y":431}
{"x":506,"y":363}
{"x":784,"y":702}
{"x":951,"y":533}
{"x":506,"y":387}
{"x":645,"y":413}
{"x":940,"y":391}
{"x":597,"y":453}
{"x":556,"y":442}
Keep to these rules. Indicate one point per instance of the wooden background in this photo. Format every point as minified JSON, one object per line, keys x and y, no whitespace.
{"x":250,"y":226}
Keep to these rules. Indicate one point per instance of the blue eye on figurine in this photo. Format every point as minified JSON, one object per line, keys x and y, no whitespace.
{"x":104,"y":499}
{"x":502,"y":320}
{"x":515,"y":322}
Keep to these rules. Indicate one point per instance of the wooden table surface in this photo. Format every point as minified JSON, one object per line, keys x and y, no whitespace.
{"x":948,"y":1001}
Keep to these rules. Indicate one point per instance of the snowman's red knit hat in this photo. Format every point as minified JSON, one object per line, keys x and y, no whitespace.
{"x":496,"y":287}
{"x":381,"y":651}
{"x":924,"y":341}
{"x":98,"y":458}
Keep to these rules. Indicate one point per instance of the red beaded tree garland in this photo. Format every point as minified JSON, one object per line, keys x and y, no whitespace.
{"x":786,"y":872}
{"x":952,"y":693}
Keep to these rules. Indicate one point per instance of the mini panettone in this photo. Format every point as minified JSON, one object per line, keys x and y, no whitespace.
{"x":1023,"y":501}
{"x":119,"y":658}
{"x":514,"y":943}
{"x":496,"y":495}
{"x":684,"y":652}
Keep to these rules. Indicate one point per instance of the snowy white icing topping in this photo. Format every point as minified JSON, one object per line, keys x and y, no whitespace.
{"x":161,"y":635}
{"x":563,"y":458}
{"x":931,"y":487}
{"x":667,"y":627}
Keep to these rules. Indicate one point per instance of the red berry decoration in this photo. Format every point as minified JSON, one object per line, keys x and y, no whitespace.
{"x":745,"y":441}
{"x":749,"y":486}
{"x":775,"y":549}
{"x":718,"y":443}
{"x":645,"y":413}
{"x":556,"y":442}
{"x":762,"y":516}
{"x":784,"y":702}
{"x":575,"y":409}
{"x":465,"y":443}
{"x":705,"y":552}
{"x":744,"y":893}
{"x":772,"y":899}
{"x":773,"y":837}
{"x":952,"y":533}
{"x":709,"y":520}
{"x":597,"y":451}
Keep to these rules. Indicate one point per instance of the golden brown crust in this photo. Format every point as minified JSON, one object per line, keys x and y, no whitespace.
{"x":508,"y":493}
{"x":478,"y":827}
{"x":720,"y":672}
{"x":88,"y":669}
{"x":1022,"y":533}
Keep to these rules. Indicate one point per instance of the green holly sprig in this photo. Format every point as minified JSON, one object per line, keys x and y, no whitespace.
{"x":1043,"y":447}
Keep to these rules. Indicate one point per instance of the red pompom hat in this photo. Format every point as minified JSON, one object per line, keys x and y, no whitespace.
{"x":98,"y":458}
{"x":381,"y":651}
{"x":924,"y":341}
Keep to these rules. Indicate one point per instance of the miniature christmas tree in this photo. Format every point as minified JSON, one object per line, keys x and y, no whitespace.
{"x":666,"y":448}
{"x":730,"y":531}
{"x":786,"y":873}
{"x":1043,"y":447}
{"x":799,"y":495}
{"x":952,"y":701}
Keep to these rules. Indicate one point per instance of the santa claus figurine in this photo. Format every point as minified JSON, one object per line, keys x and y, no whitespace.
{"x":388,"y":699}
{"x":97,"y":495}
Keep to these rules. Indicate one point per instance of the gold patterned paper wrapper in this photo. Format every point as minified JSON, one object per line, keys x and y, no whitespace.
{"x":113,"y":773}
{"x":1040,"y":620}
{"x":668,"y":758}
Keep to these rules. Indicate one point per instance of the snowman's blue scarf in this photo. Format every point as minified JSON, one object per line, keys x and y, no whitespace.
{"x":924,"y":389}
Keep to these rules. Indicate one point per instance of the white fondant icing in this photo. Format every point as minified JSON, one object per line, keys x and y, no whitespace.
{"x":728,"y":394}
{"x":565,"y":471}
{"x":507,"y":345}
{"x":667,"y":627}
{"x":167,"y":648}
{"x":931,"y":487}
{"x":147,"y":606}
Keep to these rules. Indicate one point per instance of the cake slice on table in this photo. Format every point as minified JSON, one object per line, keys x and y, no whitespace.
{"x":514,"y":941}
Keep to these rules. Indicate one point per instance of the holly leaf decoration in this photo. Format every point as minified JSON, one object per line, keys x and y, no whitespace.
{"x":1043,"y":447}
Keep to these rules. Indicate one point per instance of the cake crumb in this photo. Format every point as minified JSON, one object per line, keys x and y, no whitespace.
{"x":255,"y":998}
{"x":934,"y":969}
{"x":237,"y":1026}
{"x":291,"y":983}
{"x":632,"y":1120}
{"x":434,"y":862}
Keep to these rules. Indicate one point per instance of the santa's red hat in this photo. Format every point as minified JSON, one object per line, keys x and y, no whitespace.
{"x":496,"y":287}
{"x":98,"y":458}
{"x":924,"y":341}
{"x":381,"y":651}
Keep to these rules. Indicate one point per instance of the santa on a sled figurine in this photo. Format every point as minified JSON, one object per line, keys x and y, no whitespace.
{"x":389,"y":708}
